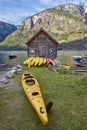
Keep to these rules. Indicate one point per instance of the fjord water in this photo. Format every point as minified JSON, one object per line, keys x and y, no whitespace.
{"x":6,"y":63}
{"x":63,"y":56}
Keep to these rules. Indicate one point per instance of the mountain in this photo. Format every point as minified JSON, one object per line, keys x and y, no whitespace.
{"x":56,"y":17}
{"x":6,"y":29}
{"x":66,"y":23}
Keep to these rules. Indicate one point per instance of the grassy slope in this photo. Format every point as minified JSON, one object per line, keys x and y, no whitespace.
{"x":67,"y":91}
{"x":16,"y":41}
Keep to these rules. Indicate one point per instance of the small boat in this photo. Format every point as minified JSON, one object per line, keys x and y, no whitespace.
{"x":34,"y":95}
{"x":12,"y":56}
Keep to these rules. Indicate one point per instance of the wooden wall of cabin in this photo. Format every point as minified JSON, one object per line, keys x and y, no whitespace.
{"x":42,"y":46}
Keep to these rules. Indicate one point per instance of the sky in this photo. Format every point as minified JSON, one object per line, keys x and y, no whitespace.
{"x":15,"y":11}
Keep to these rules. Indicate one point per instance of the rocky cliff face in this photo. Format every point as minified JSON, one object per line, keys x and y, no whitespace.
{"x":5,"y":30}
{"x":65,"y":23}
{"x":57,"y":19}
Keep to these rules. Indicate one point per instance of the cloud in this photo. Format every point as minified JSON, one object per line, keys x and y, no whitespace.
{"x":56,"y":2}
{"x":45,"y":1}
{"x":48,"y":2}
{"x":14,"y":17}
{"x":15,"y":11}
{"x":9,"y":17}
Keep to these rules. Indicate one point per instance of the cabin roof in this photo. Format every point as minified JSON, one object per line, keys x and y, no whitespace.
{"x":35,"y":35}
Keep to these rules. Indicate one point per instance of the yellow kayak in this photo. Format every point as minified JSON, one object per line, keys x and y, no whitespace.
{"x":37,"y":61}
{"x":44,"y":61}
{"x":26,"y":62}
{"x":40,"y":61}
{"x":67,"y":67}
{"x":33,"y":61}
{"x":33,"y":92}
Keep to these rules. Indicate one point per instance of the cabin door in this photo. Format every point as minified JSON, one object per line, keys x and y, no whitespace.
{"x":42,"y":51}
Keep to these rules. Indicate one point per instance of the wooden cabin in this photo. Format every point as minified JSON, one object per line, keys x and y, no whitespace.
{"x":42,"y":45}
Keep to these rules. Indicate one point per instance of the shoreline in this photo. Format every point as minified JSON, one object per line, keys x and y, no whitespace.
{"x":6,"y":75}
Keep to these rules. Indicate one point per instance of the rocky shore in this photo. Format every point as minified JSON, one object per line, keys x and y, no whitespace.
{"x":5,"y":76}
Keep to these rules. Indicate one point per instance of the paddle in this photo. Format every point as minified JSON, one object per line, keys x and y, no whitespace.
{"x":49,"y":106}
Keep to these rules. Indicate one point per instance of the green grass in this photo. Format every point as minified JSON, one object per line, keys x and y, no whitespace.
{"x":67,"y":91}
